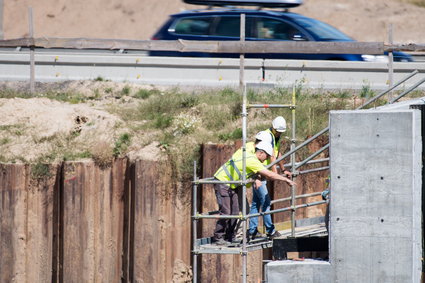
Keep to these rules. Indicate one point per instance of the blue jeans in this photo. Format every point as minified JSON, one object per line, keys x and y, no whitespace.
{"x":260,"y":200}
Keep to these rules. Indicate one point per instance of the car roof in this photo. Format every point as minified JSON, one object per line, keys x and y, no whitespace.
{"x":237,"y":11}
{"x":258,"y":3}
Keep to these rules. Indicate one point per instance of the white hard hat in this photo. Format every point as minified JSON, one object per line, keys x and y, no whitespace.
{"x":266,"y":146}
{"x":279,"y":124}
{"x":264,"y":136}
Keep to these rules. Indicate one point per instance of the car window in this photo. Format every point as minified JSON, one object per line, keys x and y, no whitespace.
{"x":320,"y":30}
{"x":193,"y":26}
{"x":229,"y":26}
{"x":267,"y":28}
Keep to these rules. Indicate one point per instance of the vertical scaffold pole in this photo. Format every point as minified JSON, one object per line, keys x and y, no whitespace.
{"x":32,"y":56}
{"x":194,"y":226}
{"x":390,"y":62}
{"x":293,"y":169}
{"x":244,"y":134}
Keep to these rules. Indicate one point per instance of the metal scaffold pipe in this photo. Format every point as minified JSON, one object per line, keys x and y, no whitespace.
{"x":306,"y":142}
{"x":244,"y":134}
{"x":194,"y":226}
{"x":293,"y":167}
{"x":407,"y":91}
{"x":312,"y":156}
{"x":270,"y":106}
{"x":387,"y":90}
{"x":297,"y":197}
{"x":313,"y":170}
{"x":223,"y":182}
{"x":287,"y":208}
{"x":203,"y":216}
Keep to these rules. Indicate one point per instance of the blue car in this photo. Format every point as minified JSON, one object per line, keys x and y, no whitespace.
{"x":265,"y":25}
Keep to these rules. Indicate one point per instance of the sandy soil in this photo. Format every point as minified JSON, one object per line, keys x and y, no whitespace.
{"x":139,"y":19}
{"x":38,"y":126}
{"x":43,"y":128}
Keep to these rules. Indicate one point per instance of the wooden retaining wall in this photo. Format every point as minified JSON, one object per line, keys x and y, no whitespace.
{"x":127,"y":223}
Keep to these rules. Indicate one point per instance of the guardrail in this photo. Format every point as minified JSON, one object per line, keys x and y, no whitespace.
{"x":55,"y":63}
{"x":52,"y":65}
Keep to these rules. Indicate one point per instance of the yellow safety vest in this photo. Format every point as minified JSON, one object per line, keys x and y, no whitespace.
{"x":232,"y":169}
{"x":275,"y":145}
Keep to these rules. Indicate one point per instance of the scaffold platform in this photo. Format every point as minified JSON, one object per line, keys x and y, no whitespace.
{"x":205,"y":245}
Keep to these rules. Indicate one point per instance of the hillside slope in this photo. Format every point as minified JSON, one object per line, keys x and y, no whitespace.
{"x":138,"y":19}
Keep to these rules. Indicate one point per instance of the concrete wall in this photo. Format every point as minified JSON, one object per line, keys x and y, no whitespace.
{"x":307,"y":271}
{"x":376,"y":159}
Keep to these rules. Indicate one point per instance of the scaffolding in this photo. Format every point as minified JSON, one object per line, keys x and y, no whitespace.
{"x":244,"y":247}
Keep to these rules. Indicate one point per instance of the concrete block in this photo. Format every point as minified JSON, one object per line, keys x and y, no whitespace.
{"x":375,"y":208}
{"x":307,"y":271}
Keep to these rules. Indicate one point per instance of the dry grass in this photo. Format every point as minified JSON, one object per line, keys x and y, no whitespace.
{"x":102,"y":154}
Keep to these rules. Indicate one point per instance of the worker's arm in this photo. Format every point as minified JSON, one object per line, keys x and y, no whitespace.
{"x":275,"y":177}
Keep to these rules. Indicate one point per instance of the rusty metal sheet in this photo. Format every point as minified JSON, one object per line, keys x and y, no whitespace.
{"x":92,"y":222}
{"x":162,"y":224}
{"x":26,"y":224}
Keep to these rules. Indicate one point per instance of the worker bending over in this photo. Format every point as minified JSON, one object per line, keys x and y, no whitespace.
{"x":227,"y":195}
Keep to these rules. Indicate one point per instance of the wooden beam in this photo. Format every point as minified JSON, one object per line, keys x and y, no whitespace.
{"x":215,"y":46}
{"x":413,"y":47}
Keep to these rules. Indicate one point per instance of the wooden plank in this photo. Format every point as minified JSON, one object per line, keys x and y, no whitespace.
{"x":215,"y":46}
{"x":413,"y":47}
{"x":92,"y":215}
{"x":209,"y":46}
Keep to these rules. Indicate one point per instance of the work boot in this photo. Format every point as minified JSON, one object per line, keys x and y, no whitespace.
{"x":255,"y":235}
{"x":273,"y":235}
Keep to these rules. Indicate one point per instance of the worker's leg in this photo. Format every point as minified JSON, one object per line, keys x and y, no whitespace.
{"x":223,"y":200}
{"x":264,"y":199}
{"x":255,"y":208}
{"x":234,"y":206}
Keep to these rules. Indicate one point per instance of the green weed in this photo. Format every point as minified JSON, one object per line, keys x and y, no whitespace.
{"x":40,"y":170}
{"x":125,"y":90}
{"x":4,"y":141}
{"x":420,"y":3}
{"x":121,"y":145}
{"x":366,"y":91}
{"x":69,"y":156}
{"x":70,"y":97}
{"x":234,"y":135}
{"x":146,"y":93}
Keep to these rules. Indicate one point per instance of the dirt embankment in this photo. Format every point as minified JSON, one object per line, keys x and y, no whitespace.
{"x":41,"y":129}
{"x":139,"y":19}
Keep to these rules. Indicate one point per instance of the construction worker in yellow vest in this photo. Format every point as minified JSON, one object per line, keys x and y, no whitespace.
{"x":278,"y":127}
{"x":227,"y":194}
{"x":260,"y":196}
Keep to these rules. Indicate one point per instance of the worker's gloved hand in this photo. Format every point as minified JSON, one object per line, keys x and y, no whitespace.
{"x":325,"y":194}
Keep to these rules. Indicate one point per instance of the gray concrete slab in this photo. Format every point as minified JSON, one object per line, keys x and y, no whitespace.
{"x":307,"y":271}
{"x":376,"y":183}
